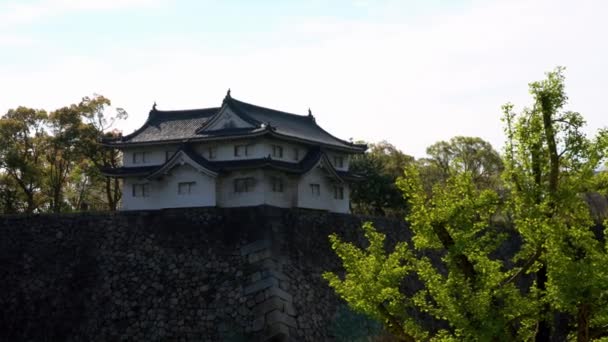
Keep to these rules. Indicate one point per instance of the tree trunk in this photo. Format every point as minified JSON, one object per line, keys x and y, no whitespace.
{"x":56,"y":201}
{"x":582,"y":323}
{"x":30,"y":202}
{"x":551,"y":144}
{"x":117,"y":194}
{"x":543,"y":333}
{"x":544,"y":329}
{"x":109,"y":195}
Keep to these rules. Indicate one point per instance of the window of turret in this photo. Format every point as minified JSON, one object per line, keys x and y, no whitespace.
{"x":315,"y":189}
{"x":141,"y":190}
{"x":185,"y":188}
{"x":241,"y":150}
{"x":338,"y":192}
{"x":243,"y":185}
{"x":277,"y":151}
{"x":338,"y":161}
{"x":212,"y":152}
{"x":277,"y":184}
{"x":139,"y":157}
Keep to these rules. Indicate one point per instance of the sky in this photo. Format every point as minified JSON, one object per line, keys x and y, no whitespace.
{"x":408,"y":72}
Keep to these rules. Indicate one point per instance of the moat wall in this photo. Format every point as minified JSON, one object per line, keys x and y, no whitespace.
{"x":199,"y":274}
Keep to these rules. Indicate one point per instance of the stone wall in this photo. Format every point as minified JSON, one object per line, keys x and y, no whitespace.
{"x":199,"y":274}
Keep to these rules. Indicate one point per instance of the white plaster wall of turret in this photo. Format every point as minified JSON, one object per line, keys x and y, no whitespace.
{"x":257,"y":148}
{"x":164,"y":193}
{"x":224,"y":150}
{"x":325,"y":198}
{"x":333,"y":154}
{"x":287,"y":198}
{"x":261,"y":191}
{"x":228,"y":197}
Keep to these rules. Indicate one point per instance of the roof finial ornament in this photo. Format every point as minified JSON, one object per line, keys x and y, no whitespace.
{"x":227,"y":97}
{"x":312,"y":117}
{"x":154,"y":106}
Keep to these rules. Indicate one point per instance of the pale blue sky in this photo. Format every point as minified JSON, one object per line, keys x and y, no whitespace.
{"x":410,"y":72}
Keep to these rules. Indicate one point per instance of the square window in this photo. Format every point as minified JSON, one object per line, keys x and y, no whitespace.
{"x":243,"y":185}
{"x":315,"y":189}
{"x":139,"y":157}
{"x":277,"y":184}
{"x":212,"y":152}
{"x":277,"y":151}
{"x":241,"y":150}
{"x":338,"y":192}
{"x":185,"y":188}
{"x":141,"y":190}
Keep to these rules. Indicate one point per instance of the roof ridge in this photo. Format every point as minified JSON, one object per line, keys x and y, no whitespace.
{"x":191,"y":110}
{"x":308,"y":117}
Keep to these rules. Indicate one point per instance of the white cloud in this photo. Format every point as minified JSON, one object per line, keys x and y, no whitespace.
{"x":20,"y":12}
{"x":412,"y":83}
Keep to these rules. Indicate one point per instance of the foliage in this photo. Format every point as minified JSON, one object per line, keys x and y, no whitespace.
{"x":99,"y":125}
{"x":22,"y":139}
{"x":549,"y":165}
{"x":50,"y":162}
{"x":461,"y":154}
{"x":599,"y":183}
{"x":561,"y":265}
{"x":463,"y":286}
{"x":378,"y":195}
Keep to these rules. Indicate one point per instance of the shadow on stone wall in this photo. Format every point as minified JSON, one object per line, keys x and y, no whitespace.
{"x":197,"y":274}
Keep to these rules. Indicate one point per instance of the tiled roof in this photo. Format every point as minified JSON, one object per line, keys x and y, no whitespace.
{"x":172,"y":126}
{"x":297,"y":126}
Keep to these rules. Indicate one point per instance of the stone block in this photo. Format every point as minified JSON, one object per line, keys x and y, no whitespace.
{"x":260,"y":255}
{"x":258,"y":323}
{"x":271,"y":304}
{"x":277,"y":316}
{"x":256,"y":277}
{"x":274,"y":273}
{"x":276,"y":332}
{"x":260,"y":285}
{"x":255,"y":247}
{"x":275,"y":291}
{"x":290,"y":309}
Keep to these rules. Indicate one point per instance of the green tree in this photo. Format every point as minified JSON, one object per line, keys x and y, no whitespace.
{"x":549,"y":165}
{"x":52,"y":162}
{"x":465,"y":288}
{"x":22,"y":133}
{"x":462,"y":154}
{"x":378,"y":195}
{"x":600,"y":183}
{"x":10,"y":201}
{"x":98,"y":124}
{"x":62,"y":152}
{"x":479,"y":296}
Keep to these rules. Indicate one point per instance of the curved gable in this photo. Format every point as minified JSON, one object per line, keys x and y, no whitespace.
{"x":323,"y":163}
{"x":227,"y":119}
{"x":181,"y":157}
